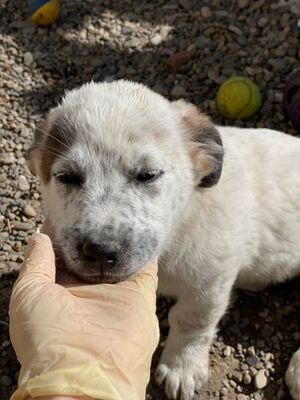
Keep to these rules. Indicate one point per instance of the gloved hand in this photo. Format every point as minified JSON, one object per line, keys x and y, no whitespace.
{"x":83,"y":340}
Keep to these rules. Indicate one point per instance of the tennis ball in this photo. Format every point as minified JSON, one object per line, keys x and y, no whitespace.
{"x":238,"y":98}
{"x":45,"y":12}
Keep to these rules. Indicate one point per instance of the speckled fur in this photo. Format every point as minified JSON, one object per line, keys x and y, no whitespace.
{"x":225,"y":213}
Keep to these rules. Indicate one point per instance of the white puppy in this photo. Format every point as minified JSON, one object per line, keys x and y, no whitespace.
{"x":128,"y":176}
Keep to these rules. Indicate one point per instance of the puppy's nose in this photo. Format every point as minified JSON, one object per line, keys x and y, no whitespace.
{"x":104,"y":254}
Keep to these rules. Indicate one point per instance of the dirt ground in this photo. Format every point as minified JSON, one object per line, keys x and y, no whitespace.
{"x":133,"y":39}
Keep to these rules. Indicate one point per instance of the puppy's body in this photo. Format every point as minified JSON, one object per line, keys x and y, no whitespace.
{"x":243,"y":232}
{"x":128,"y":176}
{"x":250,"y":218}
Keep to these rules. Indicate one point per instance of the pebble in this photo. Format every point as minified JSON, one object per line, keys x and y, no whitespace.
{"x":227,"y":351}
{"x":8,"y":158}
{"x":224,"y":391}
{"x":23,"y":184}
{"x":252,"y":371}
{"x":23,"y":226}
{"x":269,"y":356}
{"x":252,"y":360}
{"x":206,"y":12}
{"x":242,"y":397}
{"x":28,"y":59}
{"x":262,"y":22}
{"x":247,"y":379}
{"x":178,"y":91}
{"x":5,"y":380}
{"x":237,"y":376}
{"x":156,"y":39}
{"x":243,"y":4}
{"x":251,"y":351}
{"x":260,"y":379}
{"x":29,"y":211}
{"x":232,"y":383}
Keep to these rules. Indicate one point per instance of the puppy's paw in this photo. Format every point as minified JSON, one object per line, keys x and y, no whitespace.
{"x":292,"y":376}
{"x":182,"y":378}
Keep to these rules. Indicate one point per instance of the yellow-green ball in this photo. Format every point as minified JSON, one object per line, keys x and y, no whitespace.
{"x":47,"y":14}
{"x":238,"y":98}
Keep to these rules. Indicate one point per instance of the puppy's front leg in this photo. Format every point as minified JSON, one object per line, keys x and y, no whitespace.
{"x":193,"y":320}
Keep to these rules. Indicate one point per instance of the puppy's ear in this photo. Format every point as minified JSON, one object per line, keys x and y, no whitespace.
{"x":48,"y":143}
{"x":35,"y":152}
{"x":203,"y":142}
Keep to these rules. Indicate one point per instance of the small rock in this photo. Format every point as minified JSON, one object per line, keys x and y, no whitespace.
{"x":5,"y":343}
{"x":252,"y":371}
{"x":28,"y":59}
{"x":5,"y":380}
{"x":3,"y":177}
{"x":252,"y":360}
{"x":202,"y":42}
{"x":251,"y":351}
{"x":269,"y":365}
{"x":227,"y":351}
{"x":247,"y":379}
{"x":243,"y":3}
{"x":8,"y":158}
{"x":269,"y":356}
{"x":178,"y":91}
{"x":260,"y":379}
{"x":23,"y":184}
{"x":280,"y":394}
{"x":22,"y":226}
{"x":296,"y":336}
{"x":242,"y":397}
{"x":262,"y":22}
{"x":224,"y":391}
{"x":186,"y":4}
{"x":237,"y":376}
{"x":29,"y":211}
{"x":205,"y":12}
{"x":295,"y":7}
{"x":87,"y":20}
{"x":157,"y":39}
{"x":232,"y":383}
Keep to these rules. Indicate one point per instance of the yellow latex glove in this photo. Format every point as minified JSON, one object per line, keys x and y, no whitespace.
{"x":82,"y":340}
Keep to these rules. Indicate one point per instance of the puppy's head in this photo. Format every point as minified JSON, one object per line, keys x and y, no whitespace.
{"x":118,"y":164}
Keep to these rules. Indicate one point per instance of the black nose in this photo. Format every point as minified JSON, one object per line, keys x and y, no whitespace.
{"x":104,"y":254}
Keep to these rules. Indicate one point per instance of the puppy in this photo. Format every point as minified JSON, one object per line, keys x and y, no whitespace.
{"x":128,"y":176}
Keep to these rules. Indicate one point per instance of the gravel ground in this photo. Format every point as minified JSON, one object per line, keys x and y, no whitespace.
{"x":137,"y":40}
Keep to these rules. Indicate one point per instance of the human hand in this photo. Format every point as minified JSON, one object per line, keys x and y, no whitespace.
{"x":84,"y":340}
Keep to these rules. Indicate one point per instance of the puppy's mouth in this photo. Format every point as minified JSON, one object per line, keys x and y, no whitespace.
{"x":104,"y":277}
{"x":71,"y":269}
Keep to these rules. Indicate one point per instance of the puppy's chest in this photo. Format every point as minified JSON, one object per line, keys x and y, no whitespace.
{"x":181,"y":266}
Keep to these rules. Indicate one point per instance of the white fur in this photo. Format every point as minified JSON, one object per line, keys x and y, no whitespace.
{"x":243,"y":232}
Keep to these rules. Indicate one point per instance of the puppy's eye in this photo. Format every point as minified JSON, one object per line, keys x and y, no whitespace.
{"x":148,"y":176}
{"x":69,"y":178}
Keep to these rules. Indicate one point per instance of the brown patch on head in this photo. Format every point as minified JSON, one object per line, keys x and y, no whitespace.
{"x":50,"y":142}
{"x":203,"y":142}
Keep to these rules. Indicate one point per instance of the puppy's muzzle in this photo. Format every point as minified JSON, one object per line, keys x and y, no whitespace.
{"x":106,"y":255}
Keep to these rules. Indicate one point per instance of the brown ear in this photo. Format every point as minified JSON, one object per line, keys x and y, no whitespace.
{"x":51,"y":140}
{"x":34,"y":153}
{"x":204,"y":144}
